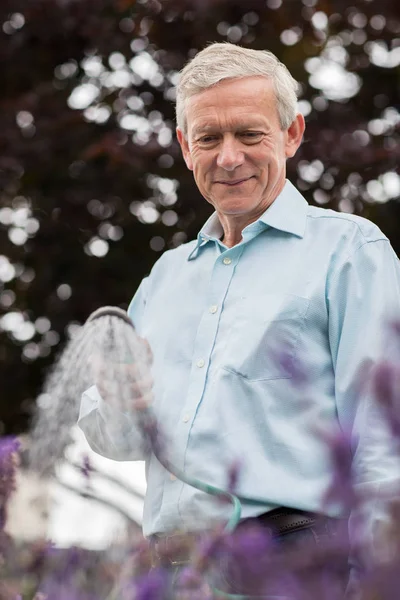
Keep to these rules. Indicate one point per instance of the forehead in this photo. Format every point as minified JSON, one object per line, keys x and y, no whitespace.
{"x":250,"y":100}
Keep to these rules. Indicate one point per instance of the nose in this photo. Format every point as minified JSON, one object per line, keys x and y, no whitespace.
{"x":230,"y":155}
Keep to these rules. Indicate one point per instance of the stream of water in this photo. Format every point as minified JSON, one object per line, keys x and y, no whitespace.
{"x":105,"y":351}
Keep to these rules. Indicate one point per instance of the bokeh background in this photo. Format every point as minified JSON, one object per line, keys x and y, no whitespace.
{"x":92,"y":185}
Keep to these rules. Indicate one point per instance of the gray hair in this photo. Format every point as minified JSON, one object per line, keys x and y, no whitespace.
{"x":228,"y":61}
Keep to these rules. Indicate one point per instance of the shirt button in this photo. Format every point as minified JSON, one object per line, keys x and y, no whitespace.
{"x":200,"y":363}
{"x":227,"y":261}
{"x":213,"y":309}
{"x":186,"y":419}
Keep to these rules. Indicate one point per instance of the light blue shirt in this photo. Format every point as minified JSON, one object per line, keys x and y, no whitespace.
{"x":311,"y":282}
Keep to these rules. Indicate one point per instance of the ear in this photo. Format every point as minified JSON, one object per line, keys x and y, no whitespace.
{"x":294,"y":135}
{"x":185,"y":148}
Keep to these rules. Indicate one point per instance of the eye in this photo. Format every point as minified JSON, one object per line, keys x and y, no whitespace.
{"x":251,"y":137}
{"x":207,"y":139}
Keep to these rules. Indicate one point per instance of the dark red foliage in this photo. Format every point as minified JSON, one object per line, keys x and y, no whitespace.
{"x":78,"y":178}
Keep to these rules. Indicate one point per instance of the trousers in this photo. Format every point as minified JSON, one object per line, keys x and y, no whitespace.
{"x":311,"y":547}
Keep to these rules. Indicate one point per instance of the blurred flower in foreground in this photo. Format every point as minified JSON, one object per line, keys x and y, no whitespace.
{"x":341,"y":491}
{"x":386,"y":386}
{"x":86,"y":468}
{"x":9,"y":448}
{"x":250,"y":560}
{"x":233,"y":476}
{"x":152,"y":586}
{"x":292,"y":367}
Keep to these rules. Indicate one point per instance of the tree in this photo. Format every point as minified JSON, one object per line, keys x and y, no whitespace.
{"x":93,"y":187}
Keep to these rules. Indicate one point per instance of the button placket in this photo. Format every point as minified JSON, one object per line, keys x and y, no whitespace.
{"x":205,"y":339}
{"x":213,"y":297}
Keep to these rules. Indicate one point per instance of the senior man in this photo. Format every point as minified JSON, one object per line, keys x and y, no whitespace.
{"x":269,"y":284}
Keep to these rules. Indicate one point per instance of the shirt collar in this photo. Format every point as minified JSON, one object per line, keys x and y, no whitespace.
{"x":211,"y":231}
{"x":288,"y":213}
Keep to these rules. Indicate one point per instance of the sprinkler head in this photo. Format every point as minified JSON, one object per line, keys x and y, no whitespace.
{"x":110,"y":311}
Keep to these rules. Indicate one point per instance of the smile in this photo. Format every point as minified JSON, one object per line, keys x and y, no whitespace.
{"x":235,"y":182}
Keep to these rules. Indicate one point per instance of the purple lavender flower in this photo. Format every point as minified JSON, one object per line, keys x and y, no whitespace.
{"x":385,"y":381}
{"x":152,"y":586}
{"x":342,"y":490}
{"x":292,"y":367}
{"x":58,"y":590}
{"x":210,"y":548}
{"x":394,"y":333}
{"x":9,"y":447}
{"x":244,"y":563}
{"x":189,"y":577}
{"x":233,"y":476}
{"x":86,"y":467}
{"x":191,"y":585}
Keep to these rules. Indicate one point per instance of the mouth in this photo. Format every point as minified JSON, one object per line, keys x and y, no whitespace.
{"x":234,"y":182}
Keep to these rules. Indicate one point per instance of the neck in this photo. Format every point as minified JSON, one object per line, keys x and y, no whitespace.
{"x":232,"y":235}
{"x":233,"y":226}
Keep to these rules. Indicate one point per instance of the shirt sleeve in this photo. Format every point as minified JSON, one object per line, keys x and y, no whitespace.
{"x":110,"y":432}
{"x":363,"y":298}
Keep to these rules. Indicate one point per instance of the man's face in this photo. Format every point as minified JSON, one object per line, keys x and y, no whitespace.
{"x":236,"y":147}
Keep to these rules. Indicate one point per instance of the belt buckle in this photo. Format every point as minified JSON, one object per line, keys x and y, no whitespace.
{"x":179,"y":563}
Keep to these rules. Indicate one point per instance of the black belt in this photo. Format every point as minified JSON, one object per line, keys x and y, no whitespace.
{"x":284,"y":520}
{"x":176,"y":549}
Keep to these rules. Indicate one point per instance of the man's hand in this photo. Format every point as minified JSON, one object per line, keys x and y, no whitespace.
{"x":125,"y":385}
